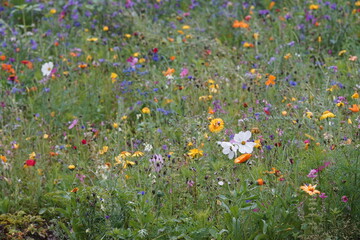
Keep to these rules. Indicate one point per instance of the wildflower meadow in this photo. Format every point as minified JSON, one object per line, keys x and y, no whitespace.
{"x":179,"y":119}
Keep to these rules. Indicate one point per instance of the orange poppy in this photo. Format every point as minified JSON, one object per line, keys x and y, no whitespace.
{"x":240,"y":24}
{"x":354,"y":108}
{"x":271,"y":80}
{"x":260,"y":182}
{"x":243,"y":158}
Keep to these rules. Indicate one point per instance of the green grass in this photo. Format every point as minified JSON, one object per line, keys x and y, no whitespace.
{"x":79,"y":111}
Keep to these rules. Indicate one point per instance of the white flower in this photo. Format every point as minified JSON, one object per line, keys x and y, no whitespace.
{"x":228,"y":149}
{"x":241,"y":141}
{"x":47,"y":68}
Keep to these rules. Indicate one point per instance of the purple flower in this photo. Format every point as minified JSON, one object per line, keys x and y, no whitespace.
{"x":156,"y":162}
{"x":322,"y":196}
{"x":312,"y":173}
{"x":190,"y":183}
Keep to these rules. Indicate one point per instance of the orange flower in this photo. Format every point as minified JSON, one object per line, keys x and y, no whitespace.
{"x":310,"y":189}
{"x":2,"y":57}
{"x":271,"y":80}
{"x":168,"y":72}
{"x":240,"y":24}
{"x":172,"y":58}
{"x":75,"y":190}
{"x":354,"y":108}
{"x":243,"y":158}
{"x":260,"y":182}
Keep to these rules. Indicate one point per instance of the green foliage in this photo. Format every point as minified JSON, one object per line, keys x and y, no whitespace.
{"x":113,"y":141}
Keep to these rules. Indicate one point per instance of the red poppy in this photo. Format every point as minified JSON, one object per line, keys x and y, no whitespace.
{"x":30,"y":162}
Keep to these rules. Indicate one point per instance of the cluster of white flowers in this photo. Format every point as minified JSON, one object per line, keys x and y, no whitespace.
{"x":238,"y":143}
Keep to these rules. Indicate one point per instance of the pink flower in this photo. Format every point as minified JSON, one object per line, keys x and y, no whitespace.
{"x":312,"y":173}
{"x":184,"y":72}
{"x":344,"y":199}
{"x":73,"y":123}
{"x":323,"y":196}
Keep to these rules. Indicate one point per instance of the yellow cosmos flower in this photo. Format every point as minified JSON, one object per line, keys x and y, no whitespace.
{"x":216,"y":125}
{"x":310,"y":189}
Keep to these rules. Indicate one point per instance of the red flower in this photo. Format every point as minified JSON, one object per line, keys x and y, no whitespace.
{"x":155,"y":50}
{"x":30,"y":162}
{"x":83,"y":141}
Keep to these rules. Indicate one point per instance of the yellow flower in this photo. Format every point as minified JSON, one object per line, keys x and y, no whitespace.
{"x":193,"y":153}
{"x":124,"y":154}
{"x":258,"y":143}
{"x":32,"y":155}
{"x":145,"y":110}
{"x":216,"y":125}
{"x":113,"y":75}
{"x":327,"y":114}
{"x":138,"y":154}
{"x":186,"y":27}
{"x":104,"y":150}
{"x":127,"y":35}
{"x":92,"y":39}
{"x":314,"y":7}
{"x":355,"y":95}
{"x":71,"y":167}
{"x":124,"y":118}
{"x":53,"y":11}
{"x":310,"y":189}
{"x":105,"y":28}
{"x":342,"y":52}
{"x":45,"y":136}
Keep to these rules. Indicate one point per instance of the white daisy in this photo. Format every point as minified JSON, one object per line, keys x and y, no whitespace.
{"x":229,"y":149}
{"x":241,"y":141}
{"x":47,"y":68}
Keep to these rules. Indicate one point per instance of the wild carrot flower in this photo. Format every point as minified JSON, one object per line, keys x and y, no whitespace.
{"x":216,"y":125}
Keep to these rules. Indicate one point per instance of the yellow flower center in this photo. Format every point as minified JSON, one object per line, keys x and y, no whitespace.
{"x":243,"y":143}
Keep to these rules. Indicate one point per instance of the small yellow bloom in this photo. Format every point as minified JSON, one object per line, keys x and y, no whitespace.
{"x":193,"y":153}
{"x":53,"y":11}
{"x":284,"y":113}
{"x":45,"y":136}
{"x":340,"y":104}
{"x":71,"y":167}
{"x":355,"y":95}
{"x":103,"y":150}
{"x":186,"y":27}
{"x":216,"y":125}
{"x":124,"y":118}
{"x":138,"y":154}
{"x":32,"y":155}
{"x":256,"y":36}
{"x":342,"y":52}
{"x":357,"y":3}
{"x":92,"y":39}
{"x":115,"y":125}
{"x":309,"y":115}
{"x":127,"y":35}
{"x":314,"y":7}
{"x":105,"y":28}
{"x":327,"y":114}
{"x":146,"y":110}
